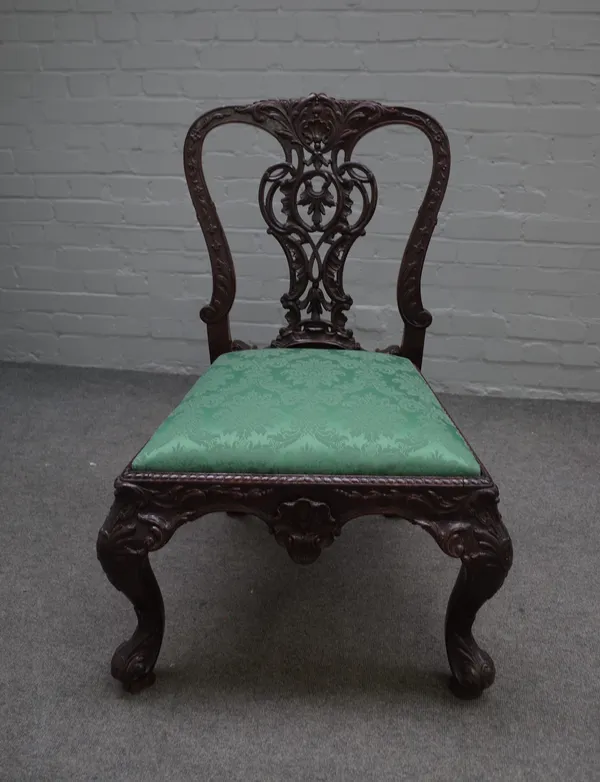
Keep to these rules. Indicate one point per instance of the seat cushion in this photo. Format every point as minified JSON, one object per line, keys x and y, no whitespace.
{"x":309,"y":411}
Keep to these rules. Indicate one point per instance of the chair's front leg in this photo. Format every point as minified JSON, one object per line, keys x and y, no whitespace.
{"x":123,"y":545}
{"x":486,"y":562}
{"x":483,"y":544}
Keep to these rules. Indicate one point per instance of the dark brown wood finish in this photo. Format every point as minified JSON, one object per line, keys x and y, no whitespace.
{"x":317,"y":185}
{"x":318,"y":136}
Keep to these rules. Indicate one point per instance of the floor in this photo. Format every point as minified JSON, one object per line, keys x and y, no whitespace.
{"x":271,"y":671}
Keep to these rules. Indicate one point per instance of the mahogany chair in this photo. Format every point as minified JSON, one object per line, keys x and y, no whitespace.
{"x":309,"y":439}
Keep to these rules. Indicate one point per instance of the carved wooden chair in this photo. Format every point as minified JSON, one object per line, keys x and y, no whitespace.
{"x":309,"y":439}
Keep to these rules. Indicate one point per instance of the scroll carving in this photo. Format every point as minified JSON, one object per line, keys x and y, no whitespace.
{"x":316,"y":203}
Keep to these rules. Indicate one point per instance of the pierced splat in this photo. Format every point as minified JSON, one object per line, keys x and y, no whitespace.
{"x":316,"y":203}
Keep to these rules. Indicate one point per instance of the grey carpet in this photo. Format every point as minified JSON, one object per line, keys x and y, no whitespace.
{"x":271,"y":671}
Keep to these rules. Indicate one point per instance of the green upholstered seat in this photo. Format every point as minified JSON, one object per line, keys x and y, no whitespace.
{"x":309,"y":411}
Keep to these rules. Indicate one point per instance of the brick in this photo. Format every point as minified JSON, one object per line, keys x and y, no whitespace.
{"x":161,"y":84}
{"x":159,"y":55}
{"x":389,"y":57}
{"x":35,"y":27}
{"x":16,"y":186}
{"x":83,"y":111}
{"x":15,"y":85}
{"x":159,"y":214}
{"x":7,"y":163}
{"x":101,"y":6}
{"x":84,"y":258}
{"x":576,"y":32}
{"x":580,"y":355}
{"x":116,"y":27}
{"x":19,"y":57}
{"x":506,"y":351}
{"x":9,"y":27}
{"x":88,"y":85}
{"x":43,"y":5}
{"x":78,"y":57}
{"x":554,"y":230}
{"x":96,"y":282}
{"x":152,"y":111}
{"x":125,"y":84}
{"x":202,"y":84}
{"x":326,"y":29}
{"x":533,"y":327}
{"x":146,"y":6}
{"x":592,"y":334}
{"x":12,"y":137}
{"x":34,"y":321}
{"x":43,"y":279}
{"x":49,"y":85}
{"x":540,"y":352}
{"x":276,"y":27}
{"x":88,"y":212}
{"x":499,"y":227}
{"x":31,"y":346}
{"x":369,"y":319}
{"x":157,"y":27}
{"x":74,"y":27}
{"x":131,"y":283}
{"x":240,"y":56}
{"x":525,"y":201}
{"x":24,"y":211}
{"x":123,"y":187}
{"x":236,"y":26}
{"x":169,"y":189}
{"x":586,"y":306}
{"x":199,"y":26}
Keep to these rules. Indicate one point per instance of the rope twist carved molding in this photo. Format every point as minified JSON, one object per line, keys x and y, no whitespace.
{"x":317,"y":191}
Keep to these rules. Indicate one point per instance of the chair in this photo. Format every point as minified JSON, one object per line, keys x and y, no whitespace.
{"x":309,"y":439}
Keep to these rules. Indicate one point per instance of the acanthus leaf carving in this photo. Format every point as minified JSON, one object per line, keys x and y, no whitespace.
{"x":338,"y":195}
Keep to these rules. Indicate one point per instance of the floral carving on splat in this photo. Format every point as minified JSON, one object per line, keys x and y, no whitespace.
{"x":317,"y":202}
{"x":325,"y":203}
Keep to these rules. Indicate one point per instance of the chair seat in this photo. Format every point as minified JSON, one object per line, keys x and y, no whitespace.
{"x":333,"y":412}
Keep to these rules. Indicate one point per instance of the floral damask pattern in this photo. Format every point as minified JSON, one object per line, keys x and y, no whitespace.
{"x":309,"y":411}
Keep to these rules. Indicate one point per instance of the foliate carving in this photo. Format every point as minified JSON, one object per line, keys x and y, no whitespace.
{"x":460,"y":513}
{"x":318,"y":190}
{"x":122,"y":547}
{"x":480,"y":537}
{"x":317,"y":202}
{"x":413,"y":501}
{"x":304,"y":527}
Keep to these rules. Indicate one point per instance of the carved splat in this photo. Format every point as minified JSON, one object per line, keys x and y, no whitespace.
{"x":316,"y":203}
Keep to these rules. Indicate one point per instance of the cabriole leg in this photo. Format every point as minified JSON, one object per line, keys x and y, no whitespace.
{"x":484,"y":546}
{"x":123,"y":545}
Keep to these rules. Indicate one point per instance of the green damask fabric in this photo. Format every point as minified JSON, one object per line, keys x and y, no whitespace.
{"x":309,"y":411}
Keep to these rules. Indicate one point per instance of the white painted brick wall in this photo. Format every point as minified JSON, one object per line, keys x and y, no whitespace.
{"x":102,"y":262}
